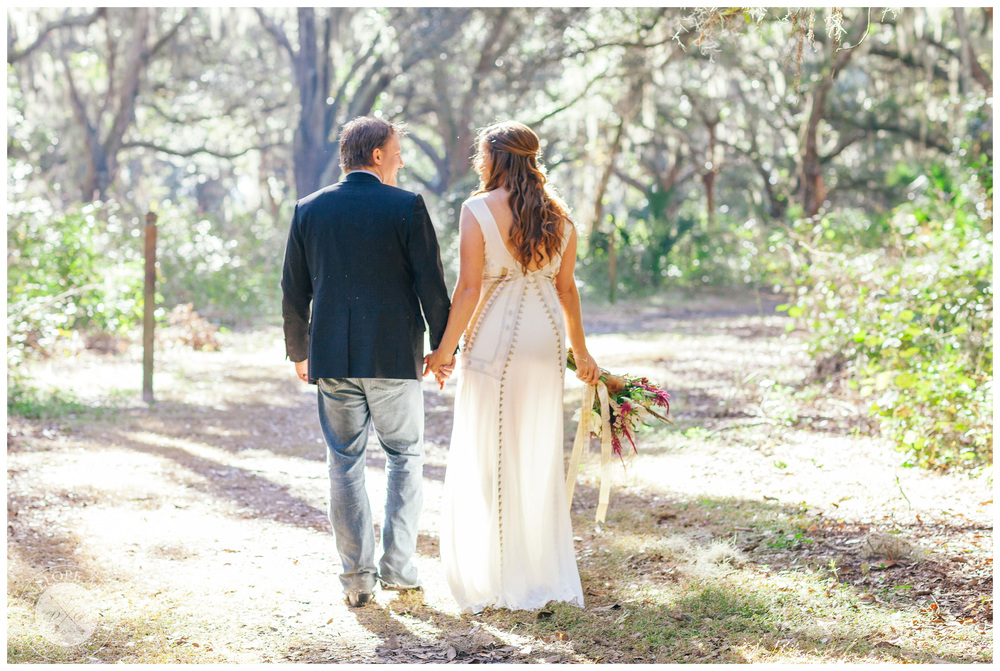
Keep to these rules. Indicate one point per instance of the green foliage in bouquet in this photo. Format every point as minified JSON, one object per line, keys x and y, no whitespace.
{"x":910,"y":321}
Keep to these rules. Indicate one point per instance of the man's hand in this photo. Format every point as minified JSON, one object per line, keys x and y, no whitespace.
{"x":302,"y":370}
{"x":440,"y":364}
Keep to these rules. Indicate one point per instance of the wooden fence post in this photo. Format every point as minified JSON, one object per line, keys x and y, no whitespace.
{"x":149,"y":306}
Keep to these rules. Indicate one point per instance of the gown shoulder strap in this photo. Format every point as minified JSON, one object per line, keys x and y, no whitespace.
{"x":495,"y":248}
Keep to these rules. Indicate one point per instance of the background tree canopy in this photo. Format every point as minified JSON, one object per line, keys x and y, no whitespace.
{"x":841,"y":156}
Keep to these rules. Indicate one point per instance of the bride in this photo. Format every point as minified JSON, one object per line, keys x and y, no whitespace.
{"x":506,"y":537}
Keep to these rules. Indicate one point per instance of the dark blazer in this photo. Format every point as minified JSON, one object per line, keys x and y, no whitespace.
{"x":366,"y":256}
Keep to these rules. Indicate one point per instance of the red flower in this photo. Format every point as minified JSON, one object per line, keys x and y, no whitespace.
{"x":629,"y":436}
{"x":616,"y":445}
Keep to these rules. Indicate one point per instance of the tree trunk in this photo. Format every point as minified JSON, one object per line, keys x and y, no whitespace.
{"x":602,"y":185}
{"x":708,"y":178}
{"x":310,"y":159}
{"x":315,"y":156}
{"x":629,"y":109}
{"x":813,"y":192}
{"x":970,"y":60}
{"x":456,"y":116}
{"x":309,"y":145}
{"x":137,"y":55}
{"x":102,"y":155}
{"x":315,"y":147}
{"x":811,"y":170}
{"x":776,"y":203}
{"x":613,"y":264}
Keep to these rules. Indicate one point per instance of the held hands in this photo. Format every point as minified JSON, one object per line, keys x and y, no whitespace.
{"x":433,"y":363}
{"x":587,"y":370}
{"x":441,"y":364}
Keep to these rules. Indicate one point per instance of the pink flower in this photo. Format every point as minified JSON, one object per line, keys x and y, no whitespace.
{"x":628,"y":396}
{"x":662,"y":398}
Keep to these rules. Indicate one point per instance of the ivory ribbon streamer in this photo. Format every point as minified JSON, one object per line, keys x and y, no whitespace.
{"x":582,"y":437}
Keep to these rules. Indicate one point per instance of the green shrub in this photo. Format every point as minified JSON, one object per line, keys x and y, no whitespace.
{"x":80,"y":270}
{"x":683,"y":252}
{"x":229,"y":270}
{"x":911,"y":322}
{"x":26,"y":400}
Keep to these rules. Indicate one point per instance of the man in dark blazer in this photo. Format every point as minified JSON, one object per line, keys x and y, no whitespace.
{"x":365,"y":255}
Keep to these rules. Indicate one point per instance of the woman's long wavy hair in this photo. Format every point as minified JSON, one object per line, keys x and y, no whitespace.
{"x":539,"y":214}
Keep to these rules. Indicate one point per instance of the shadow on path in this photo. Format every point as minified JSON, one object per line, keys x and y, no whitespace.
{"x":255,"y":495}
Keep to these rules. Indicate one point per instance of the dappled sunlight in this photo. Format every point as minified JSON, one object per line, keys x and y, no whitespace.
{"x":262,"y":461}
{"x":720,"y":367}
{"x":104,"y":474}
{"x":181,"y":548}
{"x":783,"y":217}
{"x":717,"y":548}
{"x":852,"y":478}
{"x":93,"y":379}
{"x":674,"y":584}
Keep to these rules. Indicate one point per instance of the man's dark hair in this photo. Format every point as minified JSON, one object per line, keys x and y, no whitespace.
{"x":360,"y":137}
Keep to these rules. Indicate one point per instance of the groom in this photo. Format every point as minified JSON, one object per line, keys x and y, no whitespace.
{"x":365,"y":254}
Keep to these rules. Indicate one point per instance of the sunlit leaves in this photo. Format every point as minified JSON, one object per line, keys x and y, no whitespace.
{"x":912,"y":323}
{"x":74,"y":271}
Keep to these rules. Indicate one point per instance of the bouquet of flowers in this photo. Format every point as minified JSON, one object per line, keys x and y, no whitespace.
{"x":631,"y":400}
{"x":611,"y":409}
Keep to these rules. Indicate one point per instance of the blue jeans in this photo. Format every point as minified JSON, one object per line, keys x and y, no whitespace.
{"x":396,"y":409}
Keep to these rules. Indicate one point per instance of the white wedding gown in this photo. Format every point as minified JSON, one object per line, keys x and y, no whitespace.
{"x":506,"y":536}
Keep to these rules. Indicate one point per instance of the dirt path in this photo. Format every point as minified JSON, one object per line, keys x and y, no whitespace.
{"x":202,"y":520}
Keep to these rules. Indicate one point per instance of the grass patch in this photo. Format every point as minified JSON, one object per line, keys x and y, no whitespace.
{"x":721,"y":603}
{"x":120,"y":637}
{"x":685,"y":592}
{"x":131,"y":629}
{"x":29,"y":401}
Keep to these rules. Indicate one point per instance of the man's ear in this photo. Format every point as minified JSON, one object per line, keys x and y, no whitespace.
{"x":377,"y":156}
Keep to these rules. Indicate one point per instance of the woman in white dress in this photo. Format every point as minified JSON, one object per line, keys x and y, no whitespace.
{"x":506,"y":536}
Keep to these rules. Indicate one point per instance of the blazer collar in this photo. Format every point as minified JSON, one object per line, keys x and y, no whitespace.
{"x":358,"y":175}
